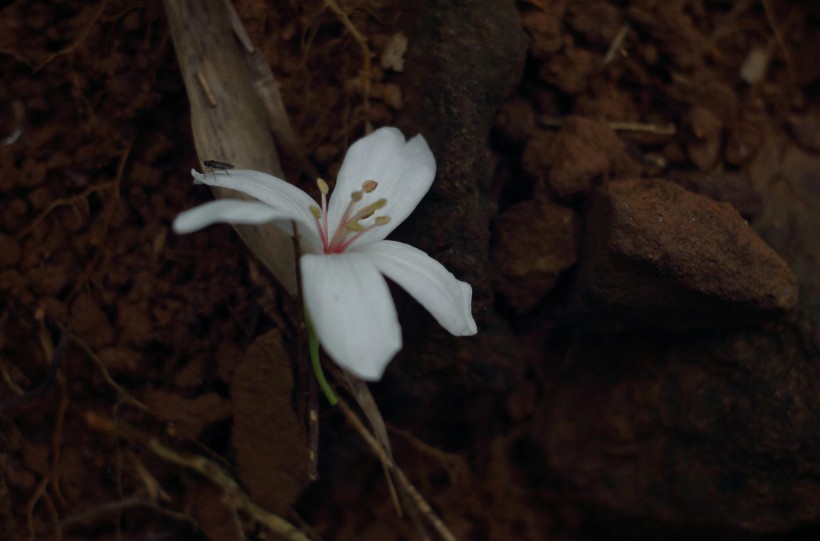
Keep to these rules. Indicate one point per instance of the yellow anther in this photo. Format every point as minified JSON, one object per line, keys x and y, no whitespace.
{"x":369,"y":185}
{"x":323,"y":187}
{"x":357,"y":196}
{"x":366,"y":212}
{"x":355,"y":226}
{"x":316,"y":211}
{"x":381,"y":220}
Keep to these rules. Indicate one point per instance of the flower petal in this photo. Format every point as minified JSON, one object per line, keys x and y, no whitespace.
{"x":352,"y":312}
{"x":233,"y":211}
{"x":403,"y":169}
{"x":426,"y":280}
{"x":273,"y":191}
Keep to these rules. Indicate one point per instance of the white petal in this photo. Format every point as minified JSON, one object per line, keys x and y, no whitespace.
{"x":352,"y":312}
{"x":232,"y":211}
{"x":272,"y":191}
{"x":403,"y":169}
{"x":426,"y":280}
{"x":290,"y":201}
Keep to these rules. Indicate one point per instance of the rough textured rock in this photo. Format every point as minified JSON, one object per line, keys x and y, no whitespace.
{"x":706,"y":433}
{"x":571,"y":161}
{"x":533,"y":243}
{"x":463,"y":59}
{"x":268,"y":437}
{"x":657,"y":255}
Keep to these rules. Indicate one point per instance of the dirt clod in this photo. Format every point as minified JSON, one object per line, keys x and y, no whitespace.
{"x":9,"y":251}
{"x":188,"y":417}
{"x":533,"y":243}
{"x":90,"y":322}
{"x":584,"y":152}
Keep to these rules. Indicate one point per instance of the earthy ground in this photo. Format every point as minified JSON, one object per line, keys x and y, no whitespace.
{"x":630,"y":187}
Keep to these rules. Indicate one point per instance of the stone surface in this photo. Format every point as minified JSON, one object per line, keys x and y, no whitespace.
{"x":462,"y":61}
{"x":703,"y":433}
{"x":657,"y":255}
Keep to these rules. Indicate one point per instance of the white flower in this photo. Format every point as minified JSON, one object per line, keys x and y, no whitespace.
{"x":381,"y":181}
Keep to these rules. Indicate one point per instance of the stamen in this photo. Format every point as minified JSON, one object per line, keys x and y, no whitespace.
{"x":366,"y":212}
{"x":380,"y":220}
{"x":349,"y":228}
{"x":321,"y":224}
{"x":324,"y":189}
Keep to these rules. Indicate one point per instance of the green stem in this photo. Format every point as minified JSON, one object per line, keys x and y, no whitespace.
{"x":313,"y":348}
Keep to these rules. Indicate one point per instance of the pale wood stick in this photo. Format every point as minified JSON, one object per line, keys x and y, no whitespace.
{"x":235,"y":129}
{"x":234,"y":496}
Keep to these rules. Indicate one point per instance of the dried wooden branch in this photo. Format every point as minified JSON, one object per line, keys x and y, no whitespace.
{"x":227,"y":117}
{"x":235,"y":497}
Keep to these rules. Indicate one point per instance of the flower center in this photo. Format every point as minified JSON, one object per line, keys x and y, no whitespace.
{"x":355,"y":221}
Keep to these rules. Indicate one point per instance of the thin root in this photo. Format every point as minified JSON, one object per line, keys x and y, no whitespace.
{"x":366,"y":54}
{"x":234,"y":495}
{"x":659,"y":129}
{"x":410,"y":490}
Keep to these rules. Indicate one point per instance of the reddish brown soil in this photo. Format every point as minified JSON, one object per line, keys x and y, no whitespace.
{"x":540,"y":427}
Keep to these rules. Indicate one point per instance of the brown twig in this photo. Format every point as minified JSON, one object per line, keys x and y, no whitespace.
{"x":121,"y":505}
{"x":76,"y":43}
{"x":616,"y":44}
{"x":659,"y":129}
{"x":16,"y":389}
{"x":304,"y":375}
{"x":361,"y":392}
{"x":456,"y":466}
{"x":122,"y":393}
{"x":787,"y":57}
{"x":56,"y":357}
{"x":410,"y":490}
{"x":234,"y":495}
{"x":40,"y":492}
{"x":108,"y":215}
{"x":62,"y":202}
{"x":366,"y":54}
